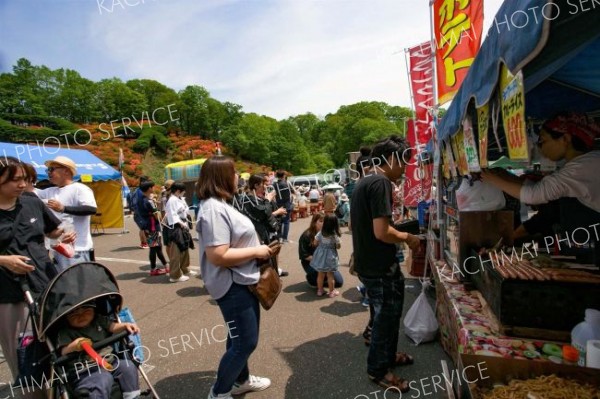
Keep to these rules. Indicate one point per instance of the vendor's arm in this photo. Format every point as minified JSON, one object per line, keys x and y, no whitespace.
{"x":505,"y":183}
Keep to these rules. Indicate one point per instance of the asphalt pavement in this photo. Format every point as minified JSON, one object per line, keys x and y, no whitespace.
{"x":310,"y":347}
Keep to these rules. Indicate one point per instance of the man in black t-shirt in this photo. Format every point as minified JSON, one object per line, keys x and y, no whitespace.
{"x":374,"y":239}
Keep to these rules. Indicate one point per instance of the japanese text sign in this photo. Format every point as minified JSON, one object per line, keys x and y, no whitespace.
{"x":513,"y":114}
{"x":458,"y":25}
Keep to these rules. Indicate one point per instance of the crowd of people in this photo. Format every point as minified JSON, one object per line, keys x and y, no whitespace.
{"x":236,"y":226}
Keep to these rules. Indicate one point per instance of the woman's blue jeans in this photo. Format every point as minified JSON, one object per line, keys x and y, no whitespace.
{"x":386,"y":296}
{"x":241,"y":312}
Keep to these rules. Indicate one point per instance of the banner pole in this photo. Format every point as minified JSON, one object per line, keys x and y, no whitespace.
{"x":438,"y":180}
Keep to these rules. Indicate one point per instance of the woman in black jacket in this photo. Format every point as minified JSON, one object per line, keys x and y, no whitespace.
{"x":306,"y":249}
{"x":259,"y":206}
{"x":24,"y":221}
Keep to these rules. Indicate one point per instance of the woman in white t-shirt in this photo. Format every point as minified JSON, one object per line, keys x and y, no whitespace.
{"x":229,"y":247}
{"x":180,"y":239}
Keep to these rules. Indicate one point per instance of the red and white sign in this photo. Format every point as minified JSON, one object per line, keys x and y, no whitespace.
{"x":417,"y":182}
{"x":421,"y":79}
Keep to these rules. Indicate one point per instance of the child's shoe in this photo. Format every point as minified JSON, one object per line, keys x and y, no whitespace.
{"x":320,"y":292}
{"x":157,"y":272}
{"x":333,"y":294}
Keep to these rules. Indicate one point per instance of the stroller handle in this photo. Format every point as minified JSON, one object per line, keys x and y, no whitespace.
{"x":97,"y":345}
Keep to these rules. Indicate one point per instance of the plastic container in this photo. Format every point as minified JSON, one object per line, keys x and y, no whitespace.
{"x":586,"y":331}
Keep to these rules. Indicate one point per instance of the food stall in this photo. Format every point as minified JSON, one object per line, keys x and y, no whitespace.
{"x":514,"y":304}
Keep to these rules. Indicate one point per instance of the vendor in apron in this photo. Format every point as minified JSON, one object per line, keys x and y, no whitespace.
{"x":575,"y":187}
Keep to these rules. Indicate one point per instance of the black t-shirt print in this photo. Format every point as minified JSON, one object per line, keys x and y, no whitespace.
{"x":372,"y":199}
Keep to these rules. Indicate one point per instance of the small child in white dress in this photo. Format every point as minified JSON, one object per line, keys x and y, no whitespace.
{"x":325,"y":259}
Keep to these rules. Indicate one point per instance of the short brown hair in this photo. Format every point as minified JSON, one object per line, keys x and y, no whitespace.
{"x":30,"y":172}
{"x":217,"y":178}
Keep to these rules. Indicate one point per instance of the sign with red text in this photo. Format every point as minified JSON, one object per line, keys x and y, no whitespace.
{"x":513,"y":114}
{"x":417,"y":181}
{"x":457,"y":25}
{"x":421,"y":79}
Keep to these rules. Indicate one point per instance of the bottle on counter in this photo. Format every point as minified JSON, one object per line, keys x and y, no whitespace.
{"x":587,"y":330}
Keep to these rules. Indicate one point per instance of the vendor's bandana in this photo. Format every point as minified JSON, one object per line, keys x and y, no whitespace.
{"x":577,"y":125}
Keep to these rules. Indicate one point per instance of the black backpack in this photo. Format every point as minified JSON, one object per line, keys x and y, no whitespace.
{"x":339,"y":213}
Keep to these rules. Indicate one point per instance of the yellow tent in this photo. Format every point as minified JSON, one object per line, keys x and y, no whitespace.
{"x":184,"y":170}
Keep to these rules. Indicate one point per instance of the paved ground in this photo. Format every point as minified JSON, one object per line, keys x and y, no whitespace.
{"x":310,"y":347}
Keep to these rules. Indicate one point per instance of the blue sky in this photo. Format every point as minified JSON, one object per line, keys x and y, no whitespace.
{"x":273,"y":57}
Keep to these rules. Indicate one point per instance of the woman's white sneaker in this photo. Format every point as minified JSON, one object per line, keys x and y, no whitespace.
{"x":211,"y":395}
{"x":254,"y":384}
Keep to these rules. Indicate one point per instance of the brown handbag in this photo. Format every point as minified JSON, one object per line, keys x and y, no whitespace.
{"x":269,"y":284}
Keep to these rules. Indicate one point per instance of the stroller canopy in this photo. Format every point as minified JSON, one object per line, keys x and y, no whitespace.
{"x":74,"y":286}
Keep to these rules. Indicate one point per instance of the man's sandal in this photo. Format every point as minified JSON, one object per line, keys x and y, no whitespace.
{"x":396,"y":383}
{"x":403,"y":359}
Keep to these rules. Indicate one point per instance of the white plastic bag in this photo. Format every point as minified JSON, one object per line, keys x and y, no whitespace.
{"x":479,"y":197}
{"x":420,"y":323}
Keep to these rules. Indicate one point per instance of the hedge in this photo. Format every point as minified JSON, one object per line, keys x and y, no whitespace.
{"x":44,"y":121}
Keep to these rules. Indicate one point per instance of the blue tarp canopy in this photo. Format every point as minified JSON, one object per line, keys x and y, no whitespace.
{"x":87,"y":163}
{"x":557,"y":46}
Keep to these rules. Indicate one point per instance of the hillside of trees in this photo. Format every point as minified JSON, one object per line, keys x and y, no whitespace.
{"x":36,"y":102}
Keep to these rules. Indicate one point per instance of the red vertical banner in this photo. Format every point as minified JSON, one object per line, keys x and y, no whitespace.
{"x":458,"y":25}
{"x":417,"y":182}
{"x":421,"y":80}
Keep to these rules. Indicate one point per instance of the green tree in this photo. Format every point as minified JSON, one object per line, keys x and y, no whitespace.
{"x":193,"y":110}
{"x":157,"y":95}
{"x":115,"y":100}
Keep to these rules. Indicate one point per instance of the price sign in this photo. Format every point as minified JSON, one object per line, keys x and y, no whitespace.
{"x":463,"y":166}
{"x":513,"y":114}
{"x":470,"y":146}
{"x":483,"y":125}
{"x":448,"y":161}
{"x":86,"y":178}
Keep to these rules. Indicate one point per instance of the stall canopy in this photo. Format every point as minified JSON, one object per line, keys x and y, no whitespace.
{"x":104,"y":180}
{"x":557,"y":46}
{"x":184,"y":170}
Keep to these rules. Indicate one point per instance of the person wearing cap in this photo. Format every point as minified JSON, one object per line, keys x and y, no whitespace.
{"x":70,"y":200}
{"x":576,"y":186}
{"x":345,"y":209}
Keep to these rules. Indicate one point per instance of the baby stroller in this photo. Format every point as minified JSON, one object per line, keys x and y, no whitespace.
{"x":82,"y":283}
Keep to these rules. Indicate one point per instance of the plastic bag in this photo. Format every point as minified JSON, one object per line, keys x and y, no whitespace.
{"x":479,"y":197}
{"x":420,"y":323}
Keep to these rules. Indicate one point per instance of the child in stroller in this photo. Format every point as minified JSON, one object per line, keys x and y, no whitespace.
{"x":84,"y":325}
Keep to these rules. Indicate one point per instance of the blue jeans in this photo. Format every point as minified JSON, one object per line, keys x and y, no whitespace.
{"x":62,"y":262}
{"x":284,"y":230}
{"x":386,"y":298}
{"x":242,"y":314}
